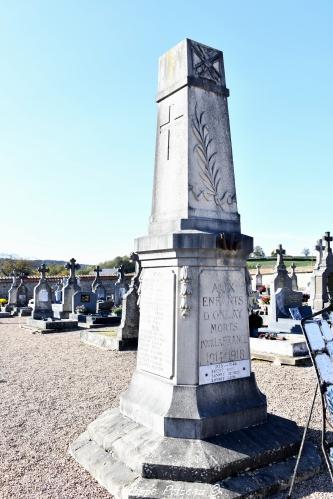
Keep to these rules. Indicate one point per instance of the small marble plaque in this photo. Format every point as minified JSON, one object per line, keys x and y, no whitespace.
{"x":156,"y":333}
{"x":224,"y":372}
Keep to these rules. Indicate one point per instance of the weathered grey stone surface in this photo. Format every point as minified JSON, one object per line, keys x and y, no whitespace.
{"x":12,"y":293}
{"x":128,"y":459}
{"x":120,"y":287}
{"x":107,"y":340}
{"x":294,"y":282}
{"x":97,"y":286}
{"x":281,"y":278}
{"x":129,"y":326}
{"x":42,"y":308}
{"x":50,"y":326}
{"x":62,"y":311}
{"x":22,"y":297}
{"x":258,"y":277}
{"x":322,"y":276}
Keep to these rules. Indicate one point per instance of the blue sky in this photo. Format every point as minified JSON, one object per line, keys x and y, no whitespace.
{"x":78,"y":116}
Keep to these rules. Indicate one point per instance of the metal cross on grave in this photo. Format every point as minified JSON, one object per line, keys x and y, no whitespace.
{"x":72,"y":266}
{"x":98,"y":270}
{"x":328,"y":238}
{"x":43,"y":271}
{"x":293,"y":268}
{"x":172,"y":121}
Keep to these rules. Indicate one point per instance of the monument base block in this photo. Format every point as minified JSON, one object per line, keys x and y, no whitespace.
{"x":258,"y":460}
{"x":193,"y":411}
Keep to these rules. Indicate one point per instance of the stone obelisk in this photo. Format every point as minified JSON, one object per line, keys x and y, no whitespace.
{"x":193,"y":380}
{"x":194,"y":333}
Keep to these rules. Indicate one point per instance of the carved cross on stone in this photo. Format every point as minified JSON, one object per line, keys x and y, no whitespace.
{"x":72,"y":266}
{"x":172,"y":120}
{"x":43,"y":271}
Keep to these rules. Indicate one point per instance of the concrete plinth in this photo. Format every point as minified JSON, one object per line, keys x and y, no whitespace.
{"x":52,"y":326}
{"x":107,"y":340}
{"x":131,"y":461}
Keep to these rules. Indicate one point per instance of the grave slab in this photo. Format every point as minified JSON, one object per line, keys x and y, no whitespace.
{"x":52,"y":326}
{"x":107,"y":340}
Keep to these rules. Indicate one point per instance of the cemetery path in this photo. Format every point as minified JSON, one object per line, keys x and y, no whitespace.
{"x":51,"y":387}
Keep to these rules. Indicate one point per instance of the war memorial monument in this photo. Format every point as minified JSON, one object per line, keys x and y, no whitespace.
{"x":193,"y":421}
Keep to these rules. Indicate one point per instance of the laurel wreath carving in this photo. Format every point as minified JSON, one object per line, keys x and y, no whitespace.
{"x":206,"y":156}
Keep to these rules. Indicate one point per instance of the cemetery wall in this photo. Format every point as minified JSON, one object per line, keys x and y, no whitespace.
{"x":85,"y":283}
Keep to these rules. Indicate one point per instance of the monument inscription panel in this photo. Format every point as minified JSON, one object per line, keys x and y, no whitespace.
{"x":156,"y":333}
{"x":223,"y":326}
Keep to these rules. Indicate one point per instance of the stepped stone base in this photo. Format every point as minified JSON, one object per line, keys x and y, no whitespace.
{"x":108,"y":340}
{"x":132,"y":462}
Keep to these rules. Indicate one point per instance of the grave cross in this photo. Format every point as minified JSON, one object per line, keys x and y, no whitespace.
{"x":98,"y":270}
{"x":258,"y":268}
{"x":293,"y":267}
{"x":43,"y":271}
{"x":72,"y":266}
{"x":328,"y":238}
{"x":167,"y":126}
{"x":320,"y":248}
{"x":280,"y":252}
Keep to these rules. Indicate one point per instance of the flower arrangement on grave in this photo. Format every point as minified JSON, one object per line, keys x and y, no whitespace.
{"x":81,"y":309}
{"x":262,"y":289}
{"x":3,"y":301}
{"x":265,"y":299}
{"x":305,"y":297}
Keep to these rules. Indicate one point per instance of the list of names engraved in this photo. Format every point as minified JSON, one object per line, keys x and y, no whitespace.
{"x":223,"y":318}
{"x":156,"y":333}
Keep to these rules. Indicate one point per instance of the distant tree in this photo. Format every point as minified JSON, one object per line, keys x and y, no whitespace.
{"x":117,"y":261}
{"x":57,"y":269}
{"x":273,"y":253}
{"x":258,"y":252}
{"x":85,"y":269}
{"x":8,"y":265}
{"x":306,"y":251}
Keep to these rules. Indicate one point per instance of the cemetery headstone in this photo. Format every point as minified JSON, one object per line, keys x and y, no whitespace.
{"x":22,"y":293}
{"x":42,"y":308}
{"x":294,"y":283}
{"x":97,"y":286}
{"x":58,"y":292}
{"x":84,"y":302}
{"x":120,"y":287}
{"x":258,"y":277}
{"x":281,"y":278}
{"x":12,"y":293}
{"x":322,"y":276}
{"x":62,"y":311}
{"x":129,"y":326}
{"x":193,"y":379}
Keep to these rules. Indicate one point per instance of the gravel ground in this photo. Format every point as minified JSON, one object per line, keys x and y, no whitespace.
{"x":51,"y":387}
